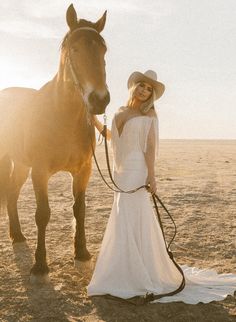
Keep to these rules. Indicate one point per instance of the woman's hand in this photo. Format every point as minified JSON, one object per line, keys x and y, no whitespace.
{"x":95,"y":121}
{"x":152,"y":184}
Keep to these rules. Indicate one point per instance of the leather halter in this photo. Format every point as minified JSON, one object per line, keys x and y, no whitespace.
{"x":70,"y":61}
{"x":72,"y":69}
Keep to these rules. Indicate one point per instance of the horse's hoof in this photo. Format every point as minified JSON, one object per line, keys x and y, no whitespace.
{"x":18,"y":239}
{"x":39,"y":279}
{"x":83,"y":255}
{"x":39,"y":273}
{"x":83,"y":265}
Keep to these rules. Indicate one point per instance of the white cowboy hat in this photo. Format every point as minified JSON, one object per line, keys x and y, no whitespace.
{"x":149,"y":77}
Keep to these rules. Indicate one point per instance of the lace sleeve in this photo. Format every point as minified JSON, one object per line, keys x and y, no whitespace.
{"x":113,"y":133}
{"x":150,"y":135}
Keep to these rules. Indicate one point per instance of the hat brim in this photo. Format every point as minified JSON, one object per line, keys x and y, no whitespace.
{"x":137,"y":77}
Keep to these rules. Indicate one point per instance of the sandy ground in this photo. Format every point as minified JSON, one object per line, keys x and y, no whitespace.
{"x":197,"y":183}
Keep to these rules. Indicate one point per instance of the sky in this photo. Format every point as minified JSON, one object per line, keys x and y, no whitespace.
{"x":191,"y":44}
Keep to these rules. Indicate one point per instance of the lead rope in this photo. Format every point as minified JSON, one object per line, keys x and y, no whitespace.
{"x":149,"y":297}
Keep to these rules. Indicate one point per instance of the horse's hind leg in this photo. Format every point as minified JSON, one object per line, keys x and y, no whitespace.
{"x":18,"y":178}
{"x":80,"y":181}
{"x":5,"y":175}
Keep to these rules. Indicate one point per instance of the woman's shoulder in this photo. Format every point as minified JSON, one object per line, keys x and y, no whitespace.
{"x":121,"y":109}
{"x":151,"y":113}
{"x":150,"y":117}
{"x":120,"y":113}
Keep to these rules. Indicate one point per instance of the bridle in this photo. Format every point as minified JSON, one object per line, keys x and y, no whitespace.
{"x":73,"y":72}
{"x":72,"y":69}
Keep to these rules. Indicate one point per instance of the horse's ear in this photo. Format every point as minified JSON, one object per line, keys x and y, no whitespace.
{"x":99,"y":25}
{"x":71,"y":17}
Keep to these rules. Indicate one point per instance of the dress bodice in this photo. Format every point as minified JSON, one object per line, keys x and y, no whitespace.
{"x":130,"y":145}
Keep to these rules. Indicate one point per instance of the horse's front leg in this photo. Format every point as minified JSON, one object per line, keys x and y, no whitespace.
{"x":40,"y":270}
{"x":80,"y":181}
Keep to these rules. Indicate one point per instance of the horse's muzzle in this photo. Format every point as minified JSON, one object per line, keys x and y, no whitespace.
{"x":98,"y":104}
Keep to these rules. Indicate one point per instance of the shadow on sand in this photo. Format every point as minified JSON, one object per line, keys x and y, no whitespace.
{"x":110,"y":310}
{"x":36,"y":302}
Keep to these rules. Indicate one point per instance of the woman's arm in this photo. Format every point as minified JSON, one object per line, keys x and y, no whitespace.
{"x":150,"y":159}
{"x":99,"y":126}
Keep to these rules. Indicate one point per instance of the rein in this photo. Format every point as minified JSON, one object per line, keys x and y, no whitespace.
{"x":149,"y":297}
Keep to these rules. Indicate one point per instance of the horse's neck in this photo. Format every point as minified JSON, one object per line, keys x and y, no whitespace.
{"x":66,"y":91}
{"x":67,"y":101}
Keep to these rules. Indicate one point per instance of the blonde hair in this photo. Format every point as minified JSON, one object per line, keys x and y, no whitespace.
{"x":145,"y":106}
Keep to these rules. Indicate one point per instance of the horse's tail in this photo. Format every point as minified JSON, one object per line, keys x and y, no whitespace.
{"x":5,"y":173}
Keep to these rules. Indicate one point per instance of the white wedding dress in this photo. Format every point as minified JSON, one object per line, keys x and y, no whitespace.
{"x":133,"y":259}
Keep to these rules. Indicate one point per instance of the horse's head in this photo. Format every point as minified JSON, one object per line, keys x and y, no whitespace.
{"x":84,"y":50}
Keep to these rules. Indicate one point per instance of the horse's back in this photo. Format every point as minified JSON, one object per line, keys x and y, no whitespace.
{"x":14,"y":96}
{"x":15,"y":109}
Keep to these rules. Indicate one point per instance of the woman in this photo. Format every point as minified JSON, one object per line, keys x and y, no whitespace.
{"x":133,"y":259}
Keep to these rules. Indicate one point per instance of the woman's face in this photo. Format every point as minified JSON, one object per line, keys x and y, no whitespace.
{"x":143,"y":91}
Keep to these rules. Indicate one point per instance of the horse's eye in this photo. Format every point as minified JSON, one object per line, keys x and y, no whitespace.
{"x":74,"y":50}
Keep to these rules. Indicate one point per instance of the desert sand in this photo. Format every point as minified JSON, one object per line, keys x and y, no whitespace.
{"x":197,"y":183}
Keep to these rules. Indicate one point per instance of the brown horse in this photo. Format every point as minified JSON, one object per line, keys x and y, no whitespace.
{"x":48,"y":130}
